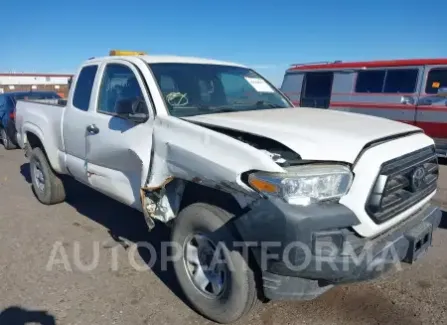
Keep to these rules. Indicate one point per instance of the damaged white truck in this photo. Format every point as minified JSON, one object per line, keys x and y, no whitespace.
{"x":292,"y":200}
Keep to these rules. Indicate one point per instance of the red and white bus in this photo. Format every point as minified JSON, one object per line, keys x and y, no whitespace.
{"x":411,"y":91}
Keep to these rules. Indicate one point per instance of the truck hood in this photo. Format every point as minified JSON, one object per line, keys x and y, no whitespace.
{"x":315,"y":134}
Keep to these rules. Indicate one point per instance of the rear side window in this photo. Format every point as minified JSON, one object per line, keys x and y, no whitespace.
{"x":292,"y":83}
{"x":387,"y":81}
{"x":401,"y":81}
{"x":84,"y":85}
{"x":437,"y":78}
{"x":291,"y":86}
{"x":370,"y":81}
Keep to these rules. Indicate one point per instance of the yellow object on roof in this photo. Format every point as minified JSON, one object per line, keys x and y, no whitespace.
{"x":125,"y":53}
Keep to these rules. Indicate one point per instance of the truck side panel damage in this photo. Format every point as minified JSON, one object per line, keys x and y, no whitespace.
{"x":185,"y":152}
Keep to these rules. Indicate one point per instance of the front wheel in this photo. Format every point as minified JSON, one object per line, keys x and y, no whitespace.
{"x":47,"y":186}
{"x":213,"y":273}
{"x":6,"y":140}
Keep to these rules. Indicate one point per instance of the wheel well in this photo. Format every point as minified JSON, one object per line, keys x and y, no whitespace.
{"x":194,"y":193}
{"x":34,"y":142}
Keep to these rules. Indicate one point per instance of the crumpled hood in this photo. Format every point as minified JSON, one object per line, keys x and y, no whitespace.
{"x":315,"y":134}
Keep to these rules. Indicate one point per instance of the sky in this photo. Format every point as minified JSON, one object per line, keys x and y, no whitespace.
{"x":56,"y":36}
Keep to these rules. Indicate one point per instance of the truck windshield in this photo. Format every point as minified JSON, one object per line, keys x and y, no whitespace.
{"x":195,"y":89}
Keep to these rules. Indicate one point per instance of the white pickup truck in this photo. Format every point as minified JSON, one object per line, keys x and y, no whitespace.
{"x":318,"y":197}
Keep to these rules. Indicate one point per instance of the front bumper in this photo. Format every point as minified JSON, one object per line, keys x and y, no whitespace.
{"x":304,"y":251}
{"x":441,"y":147}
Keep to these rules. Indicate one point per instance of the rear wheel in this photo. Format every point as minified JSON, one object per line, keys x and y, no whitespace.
{"x":214,"y":275}
{"x":47,"y":186}
{"x":7,"y":142}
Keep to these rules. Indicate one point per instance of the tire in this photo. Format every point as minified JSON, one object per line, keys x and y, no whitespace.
{"x":53,"y":190}
{"x":7,"y":142}
{"x":239,"y":293}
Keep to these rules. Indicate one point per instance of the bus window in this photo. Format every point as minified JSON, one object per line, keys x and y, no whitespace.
{"x":401,"y":81}
{"x":437,"y":78}
{"x":370,"y":81}
{"x":317,"y":89}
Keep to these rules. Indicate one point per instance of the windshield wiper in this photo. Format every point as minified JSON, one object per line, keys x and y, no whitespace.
{"x":268,"y":104}
{"x":229,"y":109}
{"x":217,"y":109}
{"x":224,"y":110}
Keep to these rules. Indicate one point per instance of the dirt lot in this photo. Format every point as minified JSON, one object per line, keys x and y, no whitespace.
{"x":115,"y":292}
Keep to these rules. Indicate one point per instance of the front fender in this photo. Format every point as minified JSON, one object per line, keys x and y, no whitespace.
{"x":191,"y":152}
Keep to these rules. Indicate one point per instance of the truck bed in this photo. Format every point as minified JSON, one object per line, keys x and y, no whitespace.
{"x":42,"y":116}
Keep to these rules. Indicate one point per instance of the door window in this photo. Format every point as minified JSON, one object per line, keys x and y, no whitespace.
{"x":118,"y":83}
{"x":84,"y":85}
{"x":317,"y":89}
{"x":437,"y":78}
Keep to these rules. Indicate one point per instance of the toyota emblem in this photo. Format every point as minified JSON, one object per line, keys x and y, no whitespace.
{"x":417,"y":179}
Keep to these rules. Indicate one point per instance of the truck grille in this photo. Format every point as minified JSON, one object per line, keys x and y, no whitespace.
{"x":402,"y":182}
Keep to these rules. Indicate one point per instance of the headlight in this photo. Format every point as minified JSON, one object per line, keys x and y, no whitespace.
{"x":303,"y":185}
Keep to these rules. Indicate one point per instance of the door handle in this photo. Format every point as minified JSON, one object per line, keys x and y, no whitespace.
{"x":92,"y":129}
{"x":407,"y":100}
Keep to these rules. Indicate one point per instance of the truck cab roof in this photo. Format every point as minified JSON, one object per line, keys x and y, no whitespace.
{"x":150,"y":59}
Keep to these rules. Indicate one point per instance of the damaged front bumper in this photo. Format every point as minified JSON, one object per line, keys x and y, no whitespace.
{"x":304,"y":251}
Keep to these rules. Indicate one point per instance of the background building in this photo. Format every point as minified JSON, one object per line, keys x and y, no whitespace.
{"x":34,"y":81}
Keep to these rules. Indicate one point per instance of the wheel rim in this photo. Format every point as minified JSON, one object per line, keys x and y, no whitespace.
{"x":206,"y":269}
{"x":39,"y":178}
{"x":4,"y":138}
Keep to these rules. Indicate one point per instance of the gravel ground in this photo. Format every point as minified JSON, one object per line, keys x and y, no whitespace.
{"x":115,"y":292}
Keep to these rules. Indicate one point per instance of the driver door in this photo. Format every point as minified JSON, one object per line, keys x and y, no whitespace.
{"x":118,"y":148}
{"x":431,"y":110}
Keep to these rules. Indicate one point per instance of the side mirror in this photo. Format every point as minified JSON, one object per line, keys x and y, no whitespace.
{"x":442,"y":92}
{"x":132,"y":109}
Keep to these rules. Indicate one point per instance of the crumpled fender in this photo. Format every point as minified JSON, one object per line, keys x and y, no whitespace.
{"x":191,"y":152}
